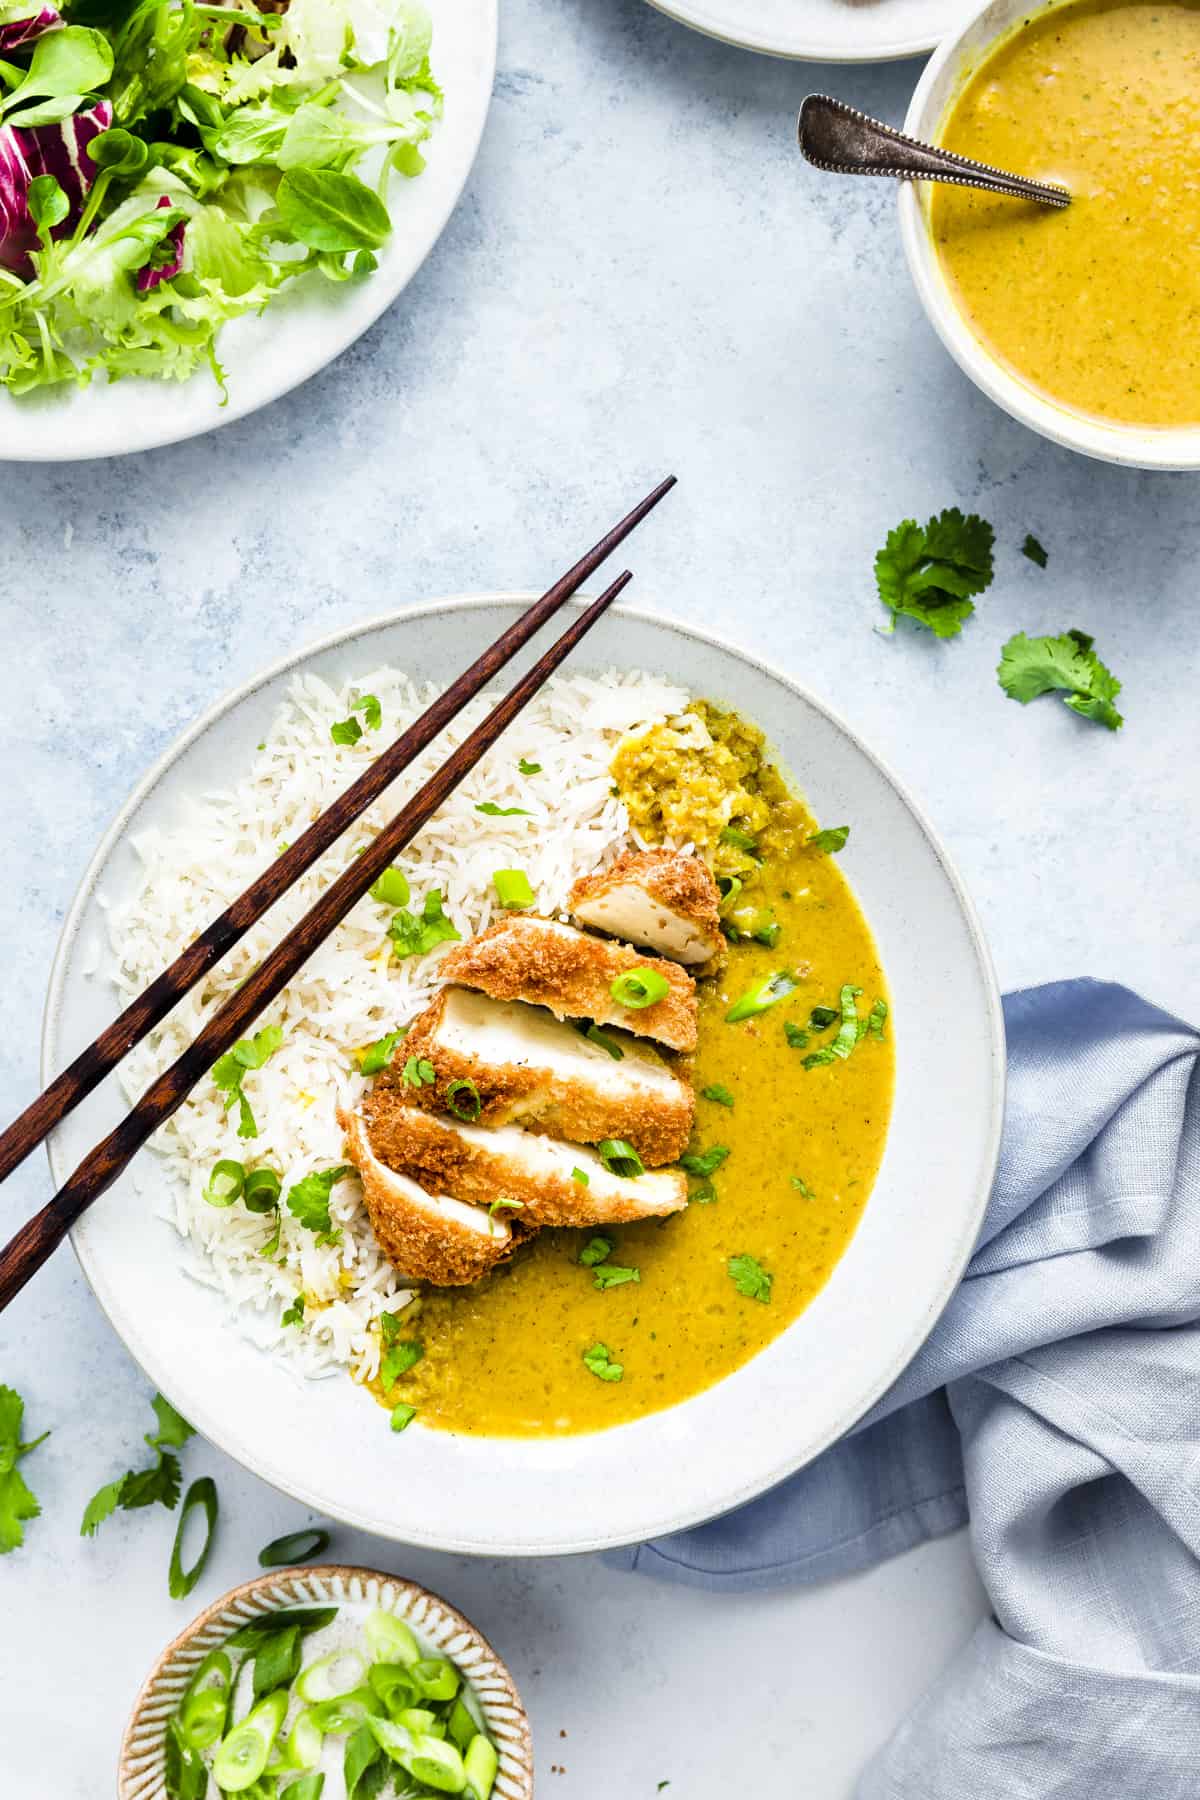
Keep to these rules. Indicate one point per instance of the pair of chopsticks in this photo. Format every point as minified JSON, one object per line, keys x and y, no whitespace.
{"x":24,"y":1255}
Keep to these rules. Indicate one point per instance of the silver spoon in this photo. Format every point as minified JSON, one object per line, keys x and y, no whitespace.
{"x":835,"y":136}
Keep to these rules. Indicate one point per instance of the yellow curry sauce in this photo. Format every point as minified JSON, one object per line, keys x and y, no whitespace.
{"x":1097,"y":305}
{"x":505,"y":1358}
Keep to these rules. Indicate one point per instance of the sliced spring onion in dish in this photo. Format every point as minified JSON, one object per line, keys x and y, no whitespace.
{"x":715,"y":1092}
{"x":620,"y":1158}
{"x":596,"y":1250}
{"x":293,"y":1547}
{"x":704,"y":1162}
{"x":640,"y":987}
{"x":765,"y":993}
{"x":226,"y":1183}
{"x":513,"y":889}
{"x":391,"y":889}
{"x":462,"y":1097}
{"x":603,"y":1041}
{"x":261,"y":1725}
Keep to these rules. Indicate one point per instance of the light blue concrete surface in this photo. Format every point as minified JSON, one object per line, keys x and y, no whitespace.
{"x":641,"y":276}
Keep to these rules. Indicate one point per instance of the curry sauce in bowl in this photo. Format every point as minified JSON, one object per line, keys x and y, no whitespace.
{"x":1080,"y":321}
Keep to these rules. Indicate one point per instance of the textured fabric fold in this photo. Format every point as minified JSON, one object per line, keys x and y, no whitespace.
{"x":1057,"y":1407}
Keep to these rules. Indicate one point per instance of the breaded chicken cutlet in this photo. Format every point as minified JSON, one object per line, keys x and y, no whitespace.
{"x":661,"y":899}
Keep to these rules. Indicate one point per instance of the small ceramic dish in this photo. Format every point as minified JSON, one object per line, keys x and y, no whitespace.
{"x":1139,"y":447}
{"x":140,"y":1773}
{"x":837,"y":31}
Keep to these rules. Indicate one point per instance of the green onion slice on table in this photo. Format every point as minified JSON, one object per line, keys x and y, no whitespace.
{"x":202,"y":1493}
{"x":293,"y":1547}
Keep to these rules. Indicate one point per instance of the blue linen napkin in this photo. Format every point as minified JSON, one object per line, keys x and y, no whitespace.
{"x":1056,"y":1406}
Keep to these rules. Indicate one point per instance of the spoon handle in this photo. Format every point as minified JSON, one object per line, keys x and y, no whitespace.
{"x":835,"y":136}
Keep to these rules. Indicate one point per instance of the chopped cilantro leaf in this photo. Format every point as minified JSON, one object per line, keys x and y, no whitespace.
{"x":529,"y":768}
{"x":721,"y":1095}
{"x":403,"y":1416}
{"x":378,"y":1055}
{"x":397,"y":1361}
{"x":750,"y":1278}
{"x":581,"y":1176}
{"x":414,"y":934}
{"x":704,"y":1162}
{"x":929,"y":574}
{"x":596,"y":1250}
{"x":1066,"y":664}
{"x":609,"y":1275}
{"x":795,"y":1034}
{"x":345,"y":731}
{"x":418,"y":1072}
{"x":822,"y":1017}
{"x":829,"y":841}
{"x":17,"y":1501}
{"x":230,"y":1070}
{"x":308,"y":1201}
{"x":704,"y":1195}
{"x":1036,"y":552}
{"x":294,"y":1315}
{"x":502,"y":812}
{"x":371,"y":711}
{"x":158,"y":1484}
{"x":598,"y":1360}
{"x":802,"y":1188}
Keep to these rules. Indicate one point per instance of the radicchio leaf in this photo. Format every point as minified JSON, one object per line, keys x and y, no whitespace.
{"x":171,"y":249}
{"x":57,"y":150}
{"x":17,"y":34}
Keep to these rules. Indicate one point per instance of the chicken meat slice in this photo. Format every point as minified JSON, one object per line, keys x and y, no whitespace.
{"x":429,"y":1236}
{"x":660,"y":898}
{"x":572,"y":974}
{"x":529,"y":1067}
{"x":552,"y":1183}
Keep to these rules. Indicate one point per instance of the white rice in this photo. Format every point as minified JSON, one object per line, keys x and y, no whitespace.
{"x":353,"y":990}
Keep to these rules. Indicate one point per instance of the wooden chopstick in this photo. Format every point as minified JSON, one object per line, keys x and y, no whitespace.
{"x":24,"y":1255}
{"x":152,"y":1005}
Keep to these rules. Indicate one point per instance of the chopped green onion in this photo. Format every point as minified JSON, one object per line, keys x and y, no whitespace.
{"x":704,"y":1162}
{"x":362,"y":1752}
{"x":303,"y":1747}
{"x":418,"y":1072}
{"x":277,"y":1663}
{"x":242,"y":1755}
{"x":596,"y":1250}
{"x":436,"y":1678}
{"x":391,"y":889}
{"x":848,"y":1033}
{"x":829,"y":841}
{"x":295,"y":1547}
{"x":305,"y":1787}
{"x":436,"y":1763}
{"x":462,"y":1097}
{"x":594,"y":1035}
{"x":1034,"y":551}
{"x":795,"y":1034}
{"x":389,"y":1639}
{"x":460,"y":1726}
{"x":512,"y":888}
{"x":822,"y":1017}
{"x":721,"y":1095}
{"x":481,"y":1764}
{"x":877,"y":1019}
{"x":704,"y":1195}
{"x":581,"y":1176}
{"x":802,"y":1188}
{"x":185,"y":1772}
{"x":731,"y":887}
{"x":610,"y":1275}
{"x":529,"y":768}
{"x":204,"y":1709}
{"x":598,"y":1361}
{"x":331,"y":1676}
{"x":307,"y":1619}
{"x":402,"y":1416}
{"x":741,"y":840}
{"x":750,"y":1278}
{"x":765,"y":993}
{"x":620,"y":1158}
{"x":502,"y":812}
{"x":262,"y":1190}
{"x":346,"y":1712}
{"x":202,"y":1493}
{"x":376,"y":1057}
{"x":226,"y":1183}
{"x":756,"y":922}
{"x":639,"y":987}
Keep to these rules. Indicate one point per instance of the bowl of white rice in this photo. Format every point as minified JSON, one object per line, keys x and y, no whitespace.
{"x":184,"y":1282}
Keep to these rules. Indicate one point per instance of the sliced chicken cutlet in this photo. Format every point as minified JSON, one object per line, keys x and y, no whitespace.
{"x":572,"y":974}
{"x":660,"y":898}
{"x":541,"y":1173}
{"x":430,"y":1236}
{"x":530,"y":1067}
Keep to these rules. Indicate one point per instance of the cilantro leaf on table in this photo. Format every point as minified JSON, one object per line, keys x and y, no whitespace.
{"x":1037,"y":553}
{"x":929,"y":573}
{"x":157,"y":1485}
{"x":1067,"y":664}
{"x":17,"y":1501}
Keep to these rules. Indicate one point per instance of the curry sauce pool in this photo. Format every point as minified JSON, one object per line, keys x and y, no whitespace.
{"x":505,"y":1358}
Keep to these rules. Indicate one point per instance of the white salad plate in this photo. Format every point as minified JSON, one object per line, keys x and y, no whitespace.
{"x":311,"y":322}
{"x":836,"y":31}
{"x":326,"y":1442}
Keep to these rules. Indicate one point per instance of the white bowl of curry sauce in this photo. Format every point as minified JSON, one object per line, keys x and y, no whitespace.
{"x":1080,"y":323}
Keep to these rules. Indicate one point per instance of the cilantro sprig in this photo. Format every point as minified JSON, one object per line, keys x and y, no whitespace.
{"x":930,"y":573}
{"x":1068,"y":664}
{"x":230,"y":1071}
{"x":308,"y":1201}
{"x":413,"y":934}
{"x":17,"y":1501}
{"x":157,"y":1485}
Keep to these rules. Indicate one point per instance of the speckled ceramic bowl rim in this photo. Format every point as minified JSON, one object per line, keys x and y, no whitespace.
{"x":1135,"y":447}
{"x":140,"y":1761}
{"x":799,"y":48}
{"x":733,"y":1493}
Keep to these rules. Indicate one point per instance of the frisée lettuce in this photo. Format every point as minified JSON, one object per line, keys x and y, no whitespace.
{"x":168,"y":165}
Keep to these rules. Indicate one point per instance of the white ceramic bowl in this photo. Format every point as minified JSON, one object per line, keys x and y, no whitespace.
{"x":325,"y":1442}
{"x":140,"y":1774}
{"x":836,"y":31}
{"x":1138,"y":447}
